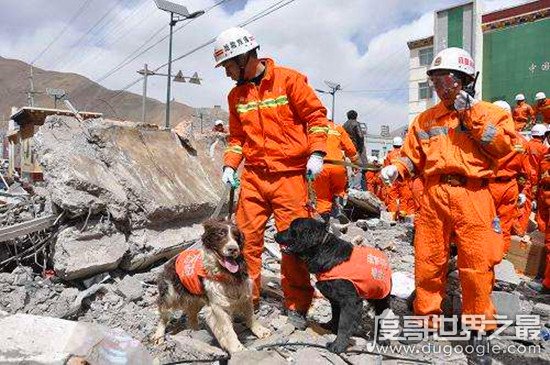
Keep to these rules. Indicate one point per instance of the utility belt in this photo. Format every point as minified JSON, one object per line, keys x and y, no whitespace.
{"x":461,"y":180}
{"x":502,"y":179}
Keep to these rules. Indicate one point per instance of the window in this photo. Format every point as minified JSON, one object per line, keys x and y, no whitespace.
{"x":426,"y":55}
{"x":424,"y":91}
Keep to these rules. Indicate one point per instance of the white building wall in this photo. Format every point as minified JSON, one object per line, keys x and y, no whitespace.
{"x":417,"y":74}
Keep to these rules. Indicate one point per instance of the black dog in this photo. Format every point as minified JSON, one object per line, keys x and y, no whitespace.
{"x":332,"y":260}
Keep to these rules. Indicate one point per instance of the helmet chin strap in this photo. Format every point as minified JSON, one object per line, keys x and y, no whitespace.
{"x":242,"y":68}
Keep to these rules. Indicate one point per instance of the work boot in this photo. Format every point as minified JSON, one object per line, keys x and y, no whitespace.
{"x":482,"y":347}
{"x":538,"y":287}
{"x":297,"y":319}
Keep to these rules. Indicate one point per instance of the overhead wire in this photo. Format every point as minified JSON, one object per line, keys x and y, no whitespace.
{"x":269,"y":10}
{"x":60,"y":34}
{"x":138,"y":52}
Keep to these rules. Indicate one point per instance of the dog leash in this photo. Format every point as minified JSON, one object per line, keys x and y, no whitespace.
{"x":231,"y":201}
{"x":367,"y":167}
{"x":221,"y":203}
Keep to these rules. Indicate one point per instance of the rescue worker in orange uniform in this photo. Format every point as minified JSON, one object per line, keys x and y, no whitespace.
{"x":455,"y":145}
{"x":544,"y":208}
{"x":278,"y":126}
{"x":332,"y":182}
{"x":536,"y":151}
{"x":523,"y":113}
{"x":374,"y":183}
{"x":504,"y":185}
{"x":542,"y":107}
{"x":218,"y":127}
{"x":399,"y":197}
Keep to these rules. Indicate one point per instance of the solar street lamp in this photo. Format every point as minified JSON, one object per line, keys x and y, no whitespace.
{"x":177,"y":13}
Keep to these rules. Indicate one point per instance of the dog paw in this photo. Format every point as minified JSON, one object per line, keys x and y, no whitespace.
{"x":157,"y":340}
{"x":337,"y":346}
{"x":261,"y":332}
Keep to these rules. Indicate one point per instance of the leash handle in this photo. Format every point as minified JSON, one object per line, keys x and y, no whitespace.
{"x":231,"y":202}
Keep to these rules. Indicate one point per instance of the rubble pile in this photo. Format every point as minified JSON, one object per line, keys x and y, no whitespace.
{"x":131,"y":194}
{"x":121,"y":300}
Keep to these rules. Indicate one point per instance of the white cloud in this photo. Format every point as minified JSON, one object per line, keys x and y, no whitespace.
{"x":323,"y":39}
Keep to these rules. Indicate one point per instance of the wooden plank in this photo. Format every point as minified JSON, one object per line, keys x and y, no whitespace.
{"x":21,"y":229}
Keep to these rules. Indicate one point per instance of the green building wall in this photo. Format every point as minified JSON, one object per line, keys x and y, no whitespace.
{"x":516,"y":60}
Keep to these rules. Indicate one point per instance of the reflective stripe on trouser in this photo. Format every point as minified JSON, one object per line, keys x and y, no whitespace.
{"x":505,"y":196}
{"x":468,"y":212}
{"x":284,"y":194}
{"x":331,"y":182}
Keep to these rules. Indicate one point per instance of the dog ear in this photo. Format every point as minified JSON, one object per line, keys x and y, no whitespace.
{"x":238,"y":235}
{"x":211,"y":233}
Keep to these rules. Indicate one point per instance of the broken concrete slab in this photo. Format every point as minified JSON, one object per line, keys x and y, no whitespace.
{"x":196,"y":349}
{"x":83,"y":254}
{"x":135,"y":173}
{"x":506,"y":273}
{"x":130,"y":288}
{"x":365,"y":201}
{"x":312,"y":356}
{"x":506,"y":304}
{"x":252,"y":357}
{"x":44,"y":340}
{"x":147,"y":246}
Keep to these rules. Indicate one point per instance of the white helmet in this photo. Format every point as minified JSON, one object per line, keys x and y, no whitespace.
{"x":540,"y":96}
{"x":455,"y":59}
{"x":504,"y":105}
{"x":520,"y":97}
{"x":538,"y":130}
{"x":218,"y":122}
{"x":397,"y":141}
{"x":233,"y":42}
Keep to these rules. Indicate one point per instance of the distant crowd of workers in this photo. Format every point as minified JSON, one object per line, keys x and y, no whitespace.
{"x":462,"y":168}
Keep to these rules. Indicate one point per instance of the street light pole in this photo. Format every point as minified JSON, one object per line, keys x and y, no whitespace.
{"x":144,"y":93}
{"x":334,"y":87}
{"x":169,"y":78}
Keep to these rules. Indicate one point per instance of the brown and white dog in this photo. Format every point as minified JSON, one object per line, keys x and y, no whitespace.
{"x":214,"y":277}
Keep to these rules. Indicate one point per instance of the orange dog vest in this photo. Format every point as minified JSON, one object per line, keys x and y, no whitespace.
{"x":190,"y":270}
{"x":368,"y":269}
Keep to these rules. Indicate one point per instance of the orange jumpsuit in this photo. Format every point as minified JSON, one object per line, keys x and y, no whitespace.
{"x":455,"y":160}
{"x":544,"y":189}
{"x":374,"y":182}
{"x":399,"y":197}
{"x":274,"y":126}
{"x":332,"y":181}
{"x":543,"y":110}
{"x":536,"y":151}
{"x":504,"y":187}
{"x":417,"y":189}
{"x":522,"y":114}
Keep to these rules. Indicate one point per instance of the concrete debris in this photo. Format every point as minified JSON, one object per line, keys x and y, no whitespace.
{"x":402,"y":284}
{"x":365,"y":202}
{"x":506,"y":277}
{"x":44,"y":340}
{"x":252,"y":357}
{"x":130,"y":288}
{"x":507,"y":304}
{"x":83,"y":254}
